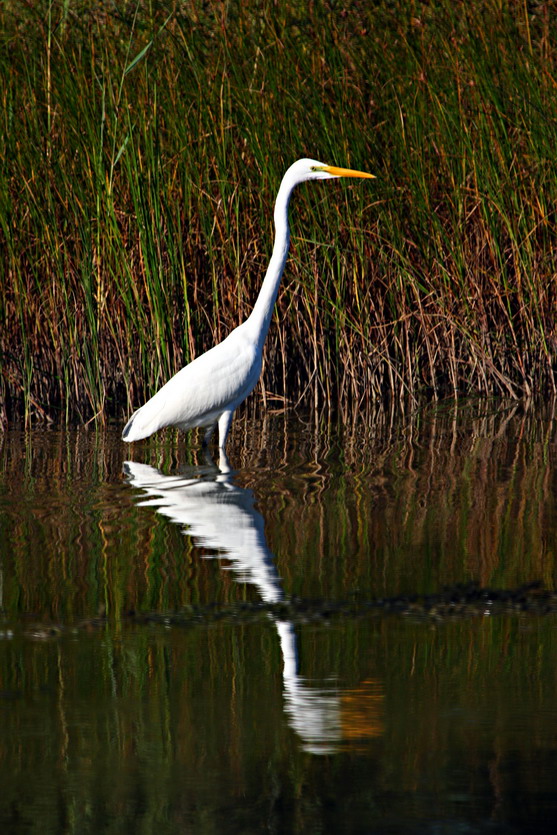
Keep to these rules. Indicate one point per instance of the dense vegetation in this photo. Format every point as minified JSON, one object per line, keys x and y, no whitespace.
{"x":141,"y":147}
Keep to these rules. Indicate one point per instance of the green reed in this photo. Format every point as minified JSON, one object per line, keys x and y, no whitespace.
{"x":141,"y":148}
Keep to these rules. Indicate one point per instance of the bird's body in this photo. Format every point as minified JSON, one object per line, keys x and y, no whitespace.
{"x":208,"y":390}
{"x":204,"y":392}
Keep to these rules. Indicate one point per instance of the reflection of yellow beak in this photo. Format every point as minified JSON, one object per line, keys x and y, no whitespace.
{"x":346,"y":172}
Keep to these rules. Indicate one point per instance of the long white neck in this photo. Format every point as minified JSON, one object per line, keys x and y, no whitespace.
{"x":260,"y":317}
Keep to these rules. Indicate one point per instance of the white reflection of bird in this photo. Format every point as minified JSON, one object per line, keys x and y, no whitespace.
{"x":221,"y":518}
{"x":207,"y":391}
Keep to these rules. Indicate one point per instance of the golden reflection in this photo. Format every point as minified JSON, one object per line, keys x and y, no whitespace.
{"x":361,"y":711}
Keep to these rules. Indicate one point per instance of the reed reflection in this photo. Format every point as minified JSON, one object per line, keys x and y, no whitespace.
{"x":221,"y":516}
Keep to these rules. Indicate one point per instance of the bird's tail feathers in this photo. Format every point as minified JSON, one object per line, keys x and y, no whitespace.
{"x":136,"y":428}
{"x":129,"y":434}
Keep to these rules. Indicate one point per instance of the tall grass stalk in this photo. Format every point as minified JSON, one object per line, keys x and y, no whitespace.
{"x":141,"y":148}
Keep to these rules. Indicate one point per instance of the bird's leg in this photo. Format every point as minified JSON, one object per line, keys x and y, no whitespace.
{"x":207,"y":436}
{"x":224,"y":425}
{"x":224,"y":463}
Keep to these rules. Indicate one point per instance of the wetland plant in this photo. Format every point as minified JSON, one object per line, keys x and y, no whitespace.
{"x":134,"y":137}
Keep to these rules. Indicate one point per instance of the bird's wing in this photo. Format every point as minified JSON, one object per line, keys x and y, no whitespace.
{"x":214,"y":382}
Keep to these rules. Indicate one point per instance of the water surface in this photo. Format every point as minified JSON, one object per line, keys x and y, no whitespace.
{"x":247,"y":702}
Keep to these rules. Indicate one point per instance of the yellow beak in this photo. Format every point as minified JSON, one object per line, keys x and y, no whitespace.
{"x":346,"y":172}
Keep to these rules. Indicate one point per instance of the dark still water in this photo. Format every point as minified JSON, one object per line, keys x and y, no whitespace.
{"x":185,"y":648}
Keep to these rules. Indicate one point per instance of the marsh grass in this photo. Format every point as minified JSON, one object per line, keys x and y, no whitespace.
{"x":141,"y":147}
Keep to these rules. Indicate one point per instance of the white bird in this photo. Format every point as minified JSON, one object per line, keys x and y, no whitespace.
{"x":208,"y":390}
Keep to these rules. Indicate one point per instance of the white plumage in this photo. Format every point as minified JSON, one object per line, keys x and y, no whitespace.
{"x":208,"y":390}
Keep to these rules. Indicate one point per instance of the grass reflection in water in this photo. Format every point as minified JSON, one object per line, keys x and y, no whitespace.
{"x":212,"y":724}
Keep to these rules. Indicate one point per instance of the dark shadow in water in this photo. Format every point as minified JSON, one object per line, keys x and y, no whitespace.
{"x":219,"y":515}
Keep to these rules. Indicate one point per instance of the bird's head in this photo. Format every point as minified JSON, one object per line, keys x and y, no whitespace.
{"x":312,"y":169}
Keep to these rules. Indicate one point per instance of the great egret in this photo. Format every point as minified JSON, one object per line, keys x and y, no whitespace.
{"x":208,"y":390}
